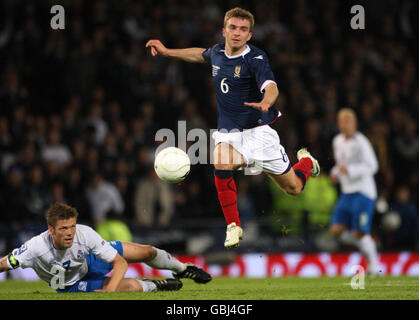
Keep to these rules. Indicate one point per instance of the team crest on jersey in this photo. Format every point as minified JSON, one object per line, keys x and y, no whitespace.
{"x":22,"y":249}
{"x":82,"y":286}
{"x":80,"y":254}
{"x":215,"y":70}
{"x":237,"y":72}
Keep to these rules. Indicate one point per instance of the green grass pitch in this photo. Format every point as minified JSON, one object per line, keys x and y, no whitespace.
{"x":224,"y":288}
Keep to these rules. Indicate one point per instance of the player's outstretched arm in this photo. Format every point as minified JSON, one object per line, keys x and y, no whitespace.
{"x":120,"y":266}
{"x":3,"y":264}
{"x":269,"y":98}
{"x":188,"y":54}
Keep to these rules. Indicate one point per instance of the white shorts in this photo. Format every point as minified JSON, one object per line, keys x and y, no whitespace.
{"x":260,"y":148}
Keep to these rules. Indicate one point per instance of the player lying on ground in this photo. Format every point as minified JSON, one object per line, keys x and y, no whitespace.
{"x":246,"y":91}
{"x":72,"y":257}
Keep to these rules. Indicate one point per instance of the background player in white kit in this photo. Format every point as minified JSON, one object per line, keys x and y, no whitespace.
{"x":72,"y":257}
{"x":355,"y":167}
{"x":246,"y":91}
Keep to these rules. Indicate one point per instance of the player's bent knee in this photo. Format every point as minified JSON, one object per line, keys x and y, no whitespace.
{"x":220,"y":166}
{"x":293,"y":190}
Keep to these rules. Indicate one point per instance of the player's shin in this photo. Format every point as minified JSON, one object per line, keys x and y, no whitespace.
{"x":227,"y":195}
{"x":164,"y":260}
{"x":369,"y":248}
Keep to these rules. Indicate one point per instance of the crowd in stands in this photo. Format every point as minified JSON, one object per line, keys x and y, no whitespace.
{"x":79,"y":107}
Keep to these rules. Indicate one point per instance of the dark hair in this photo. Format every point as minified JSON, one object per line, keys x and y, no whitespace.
{"x":60,"y":211}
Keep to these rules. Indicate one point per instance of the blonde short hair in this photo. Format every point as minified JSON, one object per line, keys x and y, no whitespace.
{"x":346,"y":111}
{"x":240,"y":13}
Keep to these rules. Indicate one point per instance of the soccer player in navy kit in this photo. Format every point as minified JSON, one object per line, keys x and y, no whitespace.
{"x":246,"y":91}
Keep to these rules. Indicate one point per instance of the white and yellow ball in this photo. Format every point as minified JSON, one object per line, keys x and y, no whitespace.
{"x":172,"y":165}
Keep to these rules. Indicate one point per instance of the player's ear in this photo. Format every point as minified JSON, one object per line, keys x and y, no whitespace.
{"x":224,"y":32}
{"x":249,"y":36}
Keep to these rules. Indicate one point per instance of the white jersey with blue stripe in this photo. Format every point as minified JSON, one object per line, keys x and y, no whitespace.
{"x":238,"y":79}
{"x":62,"y":268}
{"x":357,"y":154}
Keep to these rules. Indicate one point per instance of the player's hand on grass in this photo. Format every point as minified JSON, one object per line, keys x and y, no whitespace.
{"x":106,"y":289}
{"x":156,"y":47}
{"x":262,"y":106}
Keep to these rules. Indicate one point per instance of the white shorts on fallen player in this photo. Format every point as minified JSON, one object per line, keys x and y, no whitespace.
{"x":260,"y":148}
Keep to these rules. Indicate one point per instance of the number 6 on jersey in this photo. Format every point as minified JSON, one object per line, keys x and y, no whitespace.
{"x":224,"y":86}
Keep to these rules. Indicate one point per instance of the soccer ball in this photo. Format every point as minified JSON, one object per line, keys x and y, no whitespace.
{"x":172,"y":165}
{"x":391,"y":221}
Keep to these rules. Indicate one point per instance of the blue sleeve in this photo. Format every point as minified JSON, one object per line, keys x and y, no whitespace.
{"x":262,"y":72}
{"x":207,"y":55}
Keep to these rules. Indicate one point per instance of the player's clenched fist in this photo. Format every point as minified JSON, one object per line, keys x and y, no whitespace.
{"x":156,"y":47}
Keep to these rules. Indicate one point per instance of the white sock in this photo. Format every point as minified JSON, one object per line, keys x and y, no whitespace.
{"x":347,"y":237}
{"x":147,"y":286}
{"x":164,"y":260}
{"x":368,"y":247}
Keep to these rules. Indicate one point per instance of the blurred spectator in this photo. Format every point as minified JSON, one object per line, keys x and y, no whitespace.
{"x":114,"y":230}
{"x":154,"y":203}
{"x":317,"y":200}
{"x":74,"y":192}
{"x":188,"y":200}
{"x":24,"y":158}
{"x":56,"y":193}
{"x":78,"y":150}
{"x":406,"y":235}
{"x":103,"y":198}
{"x":125,"y":188}
{"x":53,"y":172}
{"x":71,"y":127}
{"x":54,"y":150}
{"x":6,"y":139}
{"x":192,"y":117}
{"x":109,"y":154}
{"x":95,"y":121}
{"x":407,"y":145}
{"x":144,"y":159}
{"x":12,"y":91}
{"x":36,"y":195}
{"x":13,"y":199}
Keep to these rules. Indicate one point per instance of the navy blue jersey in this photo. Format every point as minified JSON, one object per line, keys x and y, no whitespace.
{"x":239,"y":79}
